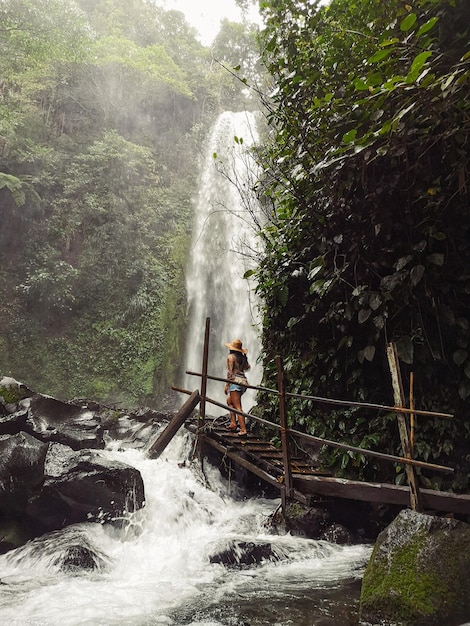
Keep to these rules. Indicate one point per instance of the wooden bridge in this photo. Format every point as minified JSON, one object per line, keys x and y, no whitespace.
{"x":295,"y":476}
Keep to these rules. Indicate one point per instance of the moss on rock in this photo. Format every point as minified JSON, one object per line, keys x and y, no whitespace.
{"x":418,"y":573}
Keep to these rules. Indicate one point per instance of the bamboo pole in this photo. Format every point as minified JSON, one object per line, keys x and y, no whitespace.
{"x":333,"y":444}
{"x":412,"y":415}
{"x":205,"y":358}
{"x":349,"y":403}
{"x":399,"y":396}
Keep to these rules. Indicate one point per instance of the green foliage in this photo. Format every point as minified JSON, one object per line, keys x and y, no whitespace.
{"x":15,"y":186}
{"x":368,"y":240}
{"x":235,"y":48}
{"x":103,"y":107}
{"x":151,"y":62}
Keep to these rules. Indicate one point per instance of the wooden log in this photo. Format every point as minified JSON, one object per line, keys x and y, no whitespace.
{"x":399,"y":397}
{"x":381,"y":493}
{"x":174,"y":425}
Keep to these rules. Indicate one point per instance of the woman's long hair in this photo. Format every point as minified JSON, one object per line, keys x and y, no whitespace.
{"x":242,"y":360}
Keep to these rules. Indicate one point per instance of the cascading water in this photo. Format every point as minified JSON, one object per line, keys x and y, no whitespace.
{"x":160,"y":567}
{"x":158,"y":570}
{"x":224,"y":248}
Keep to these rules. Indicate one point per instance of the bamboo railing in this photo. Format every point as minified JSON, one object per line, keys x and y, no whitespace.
{"x":406,"y":432}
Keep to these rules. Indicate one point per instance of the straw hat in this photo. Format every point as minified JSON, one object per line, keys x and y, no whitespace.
{"x":237,"y":346}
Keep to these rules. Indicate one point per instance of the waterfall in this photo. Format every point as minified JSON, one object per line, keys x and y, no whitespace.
{"x":223,"y":249}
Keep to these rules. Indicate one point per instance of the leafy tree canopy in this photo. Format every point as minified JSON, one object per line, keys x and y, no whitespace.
{"x":366,"y":178}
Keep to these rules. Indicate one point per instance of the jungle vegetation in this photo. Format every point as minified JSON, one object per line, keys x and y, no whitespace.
{"x":366,"y":180}
{"x":104,"y":106}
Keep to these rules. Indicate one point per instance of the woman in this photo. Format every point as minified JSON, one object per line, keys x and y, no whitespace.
{"x":237,"y":365}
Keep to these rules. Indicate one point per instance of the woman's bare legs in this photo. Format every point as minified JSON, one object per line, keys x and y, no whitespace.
{"x":233,"y":416}
{"x":236,"y":403}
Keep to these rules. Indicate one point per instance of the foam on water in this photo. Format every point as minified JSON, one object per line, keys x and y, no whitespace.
{"x":158,"y":570}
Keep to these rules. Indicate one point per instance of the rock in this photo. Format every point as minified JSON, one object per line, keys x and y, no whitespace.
{"x":84,"y":486}
{"x":46,"y":486}
{"x":11,"y":392}
{"x":71,"y":549}
{"x":52,"y":473}
{"x":52,"y":420}
{"x":79,"y":424}
{"x":418,"y":573}
{"x":14,"y":421}
{"x":22,"y":459}
{"x":336,"y":533}
{"x":299,"y":519}
{"x":242,"y":553}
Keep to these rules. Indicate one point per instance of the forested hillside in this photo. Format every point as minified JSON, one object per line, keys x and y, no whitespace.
{"x":367,"y":182}
{"x":103,"y":110}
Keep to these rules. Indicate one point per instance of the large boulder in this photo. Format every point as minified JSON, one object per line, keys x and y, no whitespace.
{"x":53,"y":486}
{"x":52,"y":420}
{"x":22,"y":459}
{"x":53,"y":472}
{"x":418,"y":573}
{"x":73,"y":549}
{"x":82,"y":486}
{"x":80,"y":424}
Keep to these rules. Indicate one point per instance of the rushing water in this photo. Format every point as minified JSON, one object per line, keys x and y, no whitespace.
{"x":158,"y":570}
{"x":223,"y":249}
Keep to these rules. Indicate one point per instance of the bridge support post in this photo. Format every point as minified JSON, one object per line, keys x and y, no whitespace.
{"x":399,"y":399}
{"x":286,"y":491}
{"x":202,"y":406}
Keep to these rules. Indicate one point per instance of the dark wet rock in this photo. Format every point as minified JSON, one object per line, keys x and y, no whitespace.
{"x":78,"y":558}
{"x":52,"y":420}
{"x":79,"y":424}
{"x":303,"y":520}
{"x":338,"y":521}
{"x":85,"y":486}
{"x":70,"y":549}
{"x":336,"y":533}
{"x":242,"y":554}
{"x":11,"y":423}
{"x":52,"y":471}
{"x":418,"y":573}
{"x":22,"y":459}
{"x":54,"y":486}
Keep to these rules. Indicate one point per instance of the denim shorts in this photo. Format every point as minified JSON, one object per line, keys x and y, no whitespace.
{"x":234,"y":387}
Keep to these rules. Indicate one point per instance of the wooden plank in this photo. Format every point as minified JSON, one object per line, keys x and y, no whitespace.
{"x":232,"y":454}
{"x":312,"y":484}
{"x":381,"y":493}
{"x":174,"y":425}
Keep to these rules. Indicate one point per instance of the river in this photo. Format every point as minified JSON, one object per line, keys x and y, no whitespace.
{"x":157,"y":570}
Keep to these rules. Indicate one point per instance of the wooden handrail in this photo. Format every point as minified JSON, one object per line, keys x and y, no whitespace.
{"x":327,"y":442}
{"x":351,"y":403}
{"x":400,"y":409}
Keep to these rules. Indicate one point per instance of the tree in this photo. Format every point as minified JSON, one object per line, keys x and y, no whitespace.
{"x":101,"y":113}
{"x":366,"y":176}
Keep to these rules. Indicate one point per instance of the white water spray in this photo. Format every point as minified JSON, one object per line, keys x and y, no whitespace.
{"x":224,"y":248}
{"x":159,"y":570}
